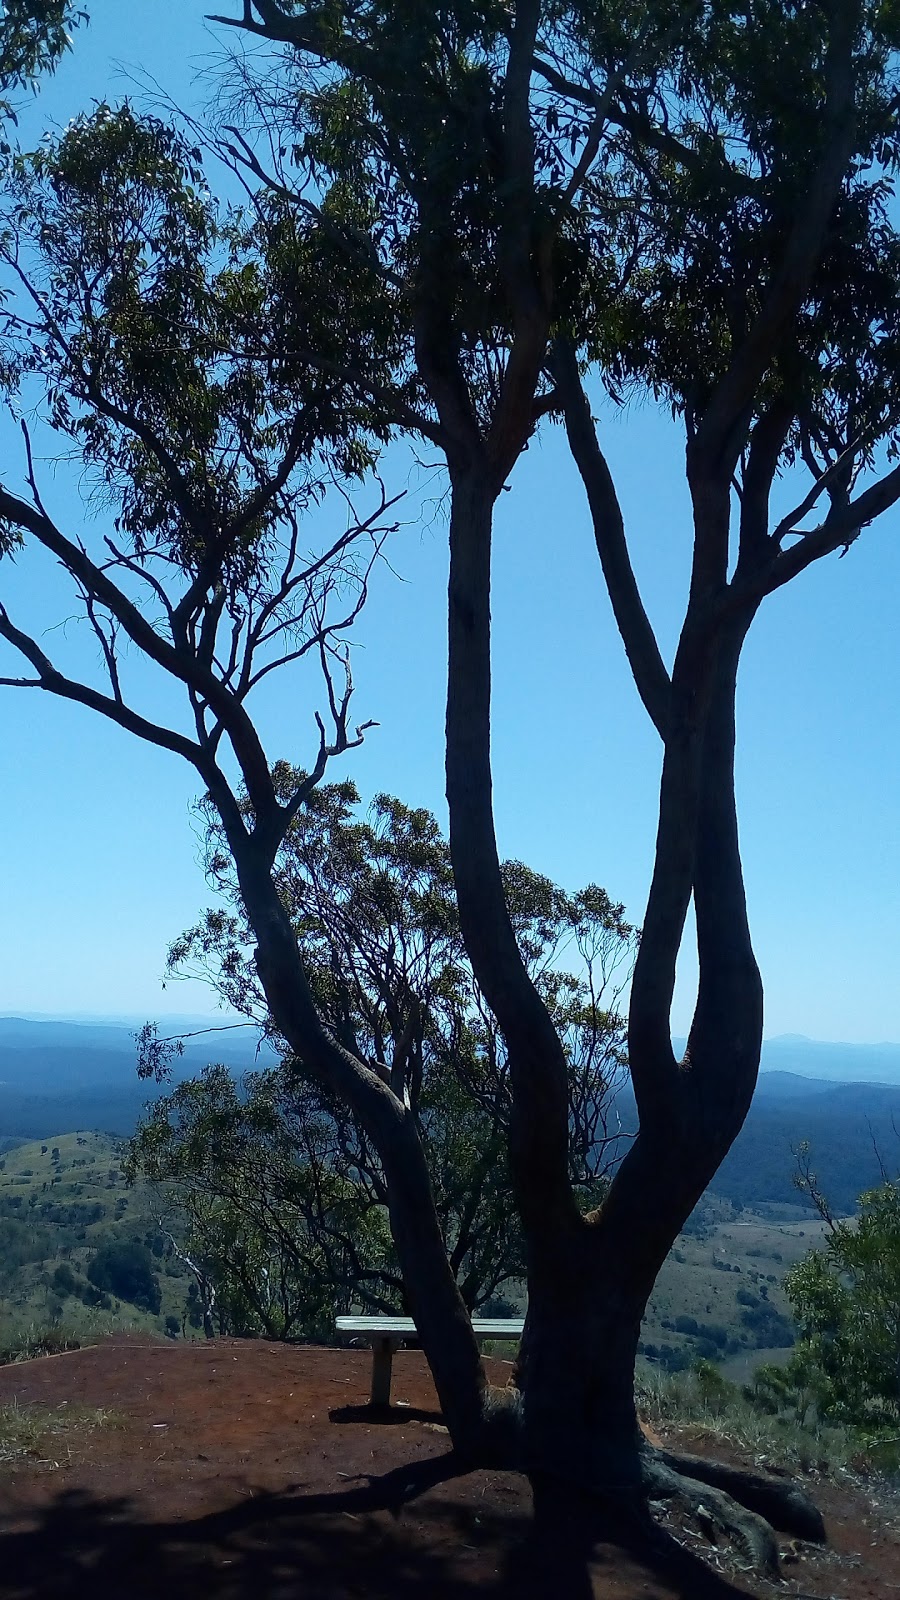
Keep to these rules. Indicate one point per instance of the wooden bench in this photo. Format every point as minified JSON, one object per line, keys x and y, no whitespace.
{"x":386,"y":1334}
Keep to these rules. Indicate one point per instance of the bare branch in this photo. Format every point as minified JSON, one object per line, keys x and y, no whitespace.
{"x":120,"y":559}
{"x":307,"y":33}
{"x":57,"y":683}
{"x":841,"y":527}
{"x":177,"y":661}
{"x":825,"y":479}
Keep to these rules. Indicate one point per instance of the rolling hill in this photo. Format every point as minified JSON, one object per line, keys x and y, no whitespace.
{"x":57,"y":1075}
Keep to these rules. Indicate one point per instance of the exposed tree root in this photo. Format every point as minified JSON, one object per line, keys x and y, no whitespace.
{"x":745,"y":1506}
{"x":781,"y":1501}
{"x":726,"y":1502}
{"x":716,"y":1513}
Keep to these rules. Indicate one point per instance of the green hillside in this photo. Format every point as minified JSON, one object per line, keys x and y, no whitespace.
{"x":719,"y":1294}
{"x":63,"y":1203}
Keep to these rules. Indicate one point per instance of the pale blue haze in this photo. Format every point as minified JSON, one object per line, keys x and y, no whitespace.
{"x":99,"y":864}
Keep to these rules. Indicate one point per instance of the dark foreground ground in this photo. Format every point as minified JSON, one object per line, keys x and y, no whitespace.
{"x":239,"y":1469}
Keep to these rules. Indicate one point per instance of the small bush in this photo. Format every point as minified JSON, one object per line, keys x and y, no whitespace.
{"x":124,"y":1268}
{"x":64,"y":1280}
{"x":685,"y":1324}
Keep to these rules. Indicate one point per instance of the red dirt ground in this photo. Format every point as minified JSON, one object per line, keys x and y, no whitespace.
{"x":242,"y":1469}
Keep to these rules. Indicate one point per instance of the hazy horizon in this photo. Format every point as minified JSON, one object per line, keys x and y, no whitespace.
{"x":214,"y":1020}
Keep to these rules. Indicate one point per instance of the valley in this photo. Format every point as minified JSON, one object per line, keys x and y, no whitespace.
{"x":64,"y":1202}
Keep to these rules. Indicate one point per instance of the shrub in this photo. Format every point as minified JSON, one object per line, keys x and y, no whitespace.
{"x":64,"y":1280}
{"x":124,"y":1268}
{"x":685,"y":1324}
{"x":846,"y":1298}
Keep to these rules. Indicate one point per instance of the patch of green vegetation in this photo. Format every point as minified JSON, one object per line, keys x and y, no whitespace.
{"x":40,"y":1437}
{"x":501,"y":1349}
{"x":81,"y":1254}
{"x":704,"y":1405}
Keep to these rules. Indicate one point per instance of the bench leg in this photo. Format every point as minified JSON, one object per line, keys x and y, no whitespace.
{"x":382,"y":1362}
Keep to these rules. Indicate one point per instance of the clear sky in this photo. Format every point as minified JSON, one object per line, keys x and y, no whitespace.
{"x":98,"y":847}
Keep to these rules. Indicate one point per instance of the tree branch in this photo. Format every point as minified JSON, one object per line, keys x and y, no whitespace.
{"x":115,"y":710}
{"x":523,"y":252}
{"x":177,"y":662}
{"x":647,"y":666}
{"x":714,"y":441}
{"x":766,"y":444}
{"x":841,"y":527}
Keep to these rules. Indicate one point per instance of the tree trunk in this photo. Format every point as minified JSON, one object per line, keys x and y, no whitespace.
{"x":579,"y":1427}
{"x":575,"y":1370}
{"x":435,"y":1302}
{"x":539,"y":1129}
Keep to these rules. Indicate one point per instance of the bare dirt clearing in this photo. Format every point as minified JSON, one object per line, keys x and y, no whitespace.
{"x":247,"y":1469}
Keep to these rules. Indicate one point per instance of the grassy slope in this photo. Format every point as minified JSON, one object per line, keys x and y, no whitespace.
{"x":56,"y":1209}
{"x":759,"y":1249}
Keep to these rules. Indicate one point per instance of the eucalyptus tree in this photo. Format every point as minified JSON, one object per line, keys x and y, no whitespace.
{"x":34,"y":36}
{"x":282,"y":1192}
{"x":496,"y":203}
{"x":693,"y":204}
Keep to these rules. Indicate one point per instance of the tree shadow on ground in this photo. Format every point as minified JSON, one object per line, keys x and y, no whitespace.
{"x":390,"y":1416}
{"x":375,"y":1539}
{"x":574,"y":1549}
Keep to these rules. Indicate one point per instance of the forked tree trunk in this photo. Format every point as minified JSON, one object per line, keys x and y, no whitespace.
{"x":589,"y":1279}
{"x":587,"y":1295}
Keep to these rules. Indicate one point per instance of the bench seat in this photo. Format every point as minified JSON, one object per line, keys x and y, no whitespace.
{"x":386,"y":1334}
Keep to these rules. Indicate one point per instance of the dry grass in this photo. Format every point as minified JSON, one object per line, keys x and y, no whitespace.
{"x":45,"y":1438}
{"x":720,"y":1411}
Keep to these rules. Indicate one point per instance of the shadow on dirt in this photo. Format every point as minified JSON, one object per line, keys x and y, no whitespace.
{"x":391,"y":1416}
{"x":375,"y":1539}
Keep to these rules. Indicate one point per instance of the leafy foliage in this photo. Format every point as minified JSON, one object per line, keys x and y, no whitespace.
{"x":146,"y":301}
{"x":655,"y":194}
{"x":284,"y":1193}
{"x":34,"y":36}
{"x":273,"y":1223}
{"x":131,"y":330}
{"x":124,"y":1268}
{"x":846,"y":1299}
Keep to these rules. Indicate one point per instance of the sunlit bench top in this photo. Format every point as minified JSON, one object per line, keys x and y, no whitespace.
{"x":386,"y":1334}
{"x":405,"y":1328}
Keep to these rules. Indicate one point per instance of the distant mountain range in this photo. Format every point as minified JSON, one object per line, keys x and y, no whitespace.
{"x":57,"y":1076}
{"x":852,"y":1130}
{"x":838,"y":1063}
{"x":844,"y":1100}
{"x":51,"y":1055}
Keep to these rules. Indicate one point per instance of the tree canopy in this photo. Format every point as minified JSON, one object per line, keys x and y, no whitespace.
{"x":285,"y":1194}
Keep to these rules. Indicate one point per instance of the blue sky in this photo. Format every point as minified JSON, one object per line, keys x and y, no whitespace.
{"x":100,"y":851}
